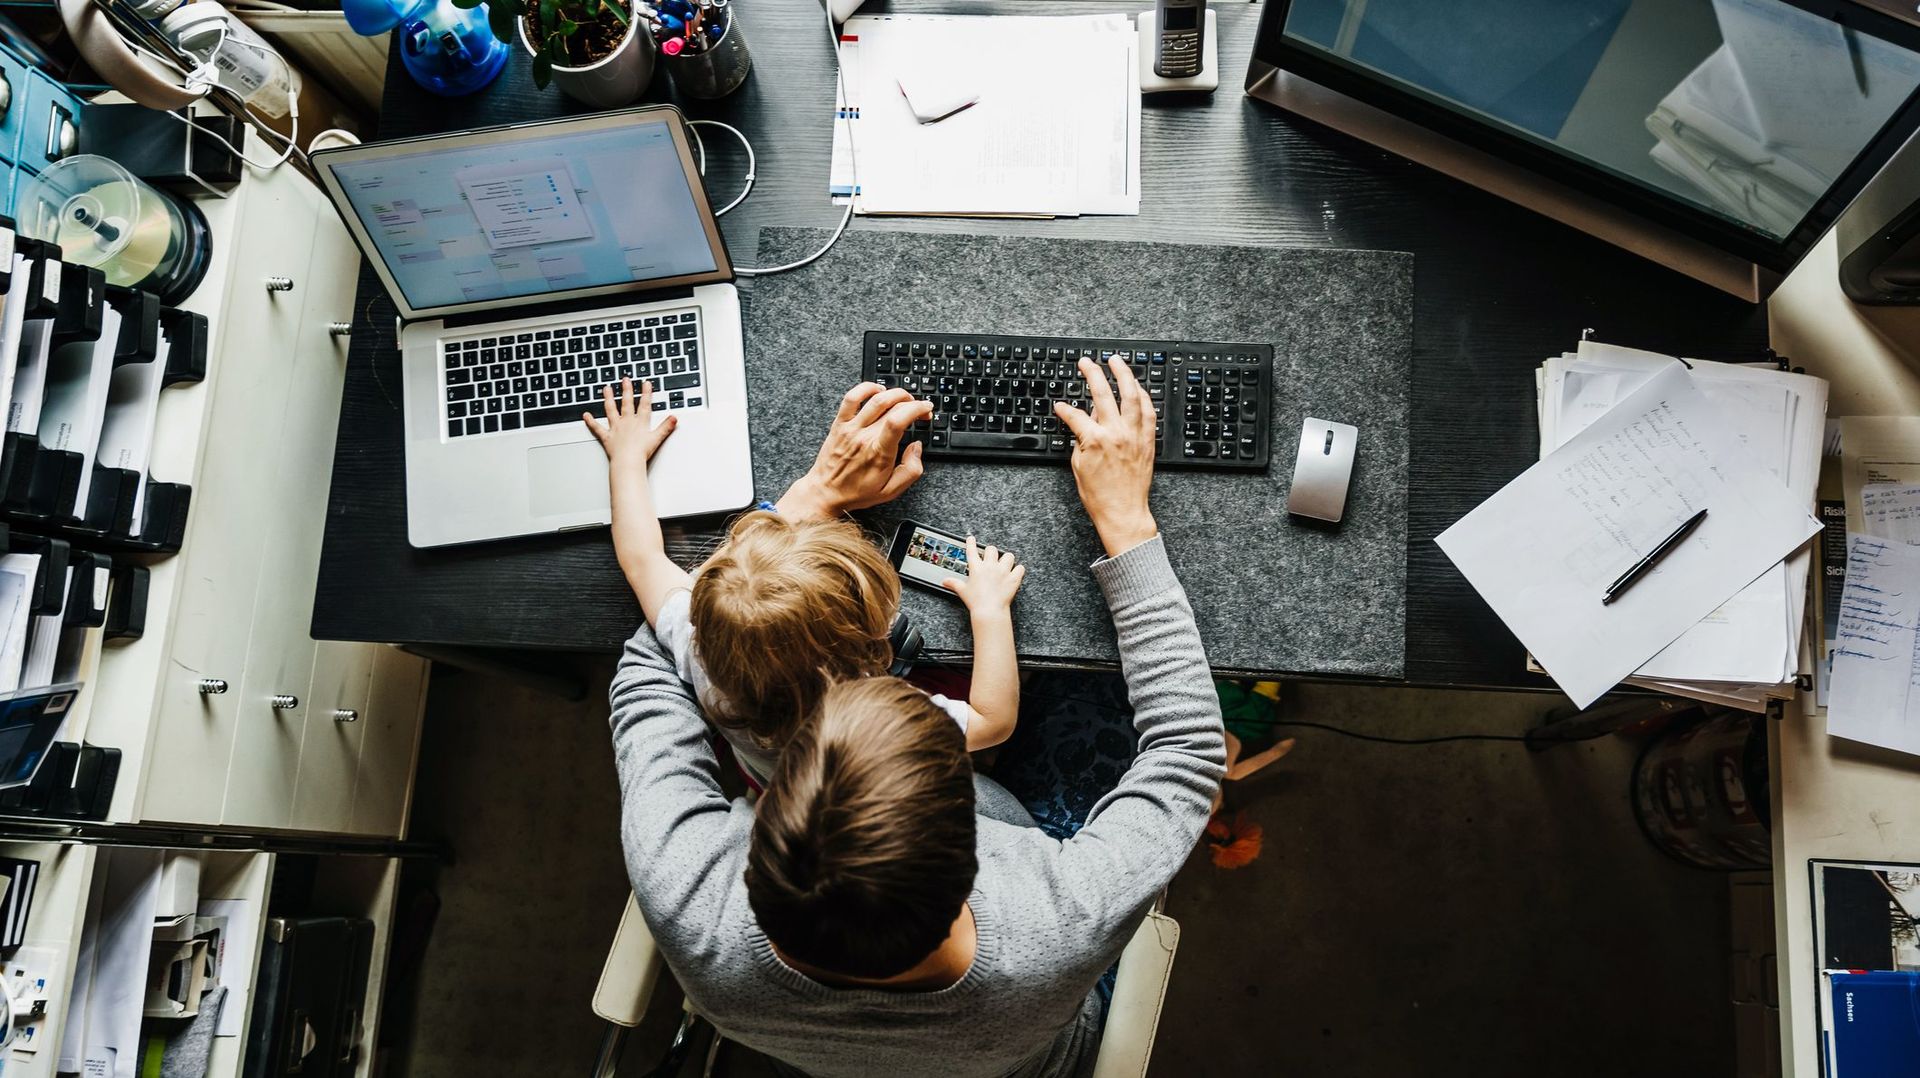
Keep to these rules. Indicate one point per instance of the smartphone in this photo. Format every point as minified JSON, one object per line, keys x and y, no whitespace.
{"x":1181,"y":25}
{"x":928,"y":556}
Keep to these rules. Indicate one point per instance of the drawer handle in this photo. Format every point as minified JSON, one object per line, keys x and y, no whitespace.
{"x":279,"y":284}
{"x":283,"y":702}
{"x":345,"y":714}
{"x":211,"y":686}
{"x":339,"y":329}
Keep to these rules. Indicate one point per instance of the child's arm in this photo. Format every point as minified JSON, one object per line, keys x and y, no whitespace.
{"x":992,"y":579}
{"x":630,"y":437}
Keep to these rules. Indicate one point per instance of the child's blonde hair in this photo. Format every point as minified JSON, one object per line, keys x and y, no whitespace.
{"x":785,"y":609}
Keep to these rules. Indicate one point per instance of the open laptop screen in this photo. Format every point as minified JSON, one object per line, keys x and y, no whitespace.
{"x":533,"y":213}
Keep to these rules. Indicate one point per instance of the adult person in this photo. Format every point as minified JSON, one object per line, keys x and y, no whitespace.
{"x":865,"y":919}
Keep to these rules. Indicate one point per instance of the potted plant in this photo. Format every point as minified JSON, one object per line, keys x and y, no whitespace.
{"x":592,"y":49}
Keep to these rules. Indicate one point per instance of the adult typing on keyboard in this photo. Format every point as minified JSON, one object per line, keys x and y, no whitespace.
{"x":883,"y":911}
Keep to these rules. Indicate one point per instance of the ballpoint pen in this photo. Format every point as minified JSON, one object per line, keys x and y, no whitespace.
{"x":1645,"y":565}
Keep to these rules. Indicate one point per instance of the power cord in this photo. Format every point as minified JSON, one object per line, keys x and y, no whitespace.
{"x":201,"y":80}
{"x":853,"y":160}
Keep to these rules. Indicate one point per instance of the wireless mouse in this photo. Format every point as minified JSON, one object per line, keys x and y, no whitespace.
{"x":1322,"y":469}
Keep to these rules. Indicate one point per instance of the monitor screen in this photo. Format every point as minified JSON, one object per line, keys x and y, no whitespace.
{"x":1747,"y":111}
{"x":554,"y":212}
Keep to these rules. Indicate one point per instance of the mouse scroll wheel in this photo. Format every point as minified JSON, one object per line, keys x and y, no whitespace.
{"x":1327,"y":450}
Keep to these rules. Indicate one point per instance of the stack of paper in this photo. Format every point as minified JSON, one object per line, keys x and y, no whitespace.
{"x":1054,"y":130}
{"x":1632,"y":445}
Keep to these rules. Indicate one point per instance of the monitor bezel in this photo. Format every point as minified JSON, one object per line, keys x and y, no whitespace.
{"x":1274,"y":48}
{"x":325,"y":161}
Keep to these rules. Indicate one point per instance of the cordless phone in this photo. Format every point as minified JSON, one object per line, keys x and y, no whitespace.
{"x":1181,"y":24}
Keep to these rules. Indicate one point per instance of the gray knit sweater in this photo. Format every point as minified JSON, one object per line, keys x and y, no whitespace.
{"x":1051,"y":916}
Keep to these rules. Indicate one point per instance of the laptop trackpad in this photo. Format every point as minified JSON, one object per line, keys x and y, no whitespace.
{"x":566,"y":479}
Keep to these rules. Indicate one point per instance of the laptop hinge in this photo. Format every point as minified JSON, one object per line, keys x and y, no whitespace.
{"x":565,"y":306}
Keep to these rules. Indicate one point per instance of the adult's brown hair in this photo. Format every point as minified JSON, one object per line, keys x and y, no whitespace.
{"x":863,"y":844}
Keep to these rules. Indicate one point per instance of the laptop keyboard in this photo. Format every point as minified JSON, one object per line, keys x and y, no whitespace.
{"x":510,"y":381}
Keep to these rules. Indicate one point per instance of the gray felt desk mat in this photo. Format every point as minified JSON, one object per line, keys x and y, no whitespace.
{"x":1270,"y":594}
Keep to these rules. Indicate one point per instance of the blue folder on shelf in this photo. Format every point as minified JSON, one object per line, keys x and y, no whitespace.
{"x":1870,"y":1023}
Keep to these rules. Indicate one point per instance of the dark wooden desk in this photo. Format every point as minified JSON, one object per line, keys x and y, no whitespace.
{"x":1498,"y":290}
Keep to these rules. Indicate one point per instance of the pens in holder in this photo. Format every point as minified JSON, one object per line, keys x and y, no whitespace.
{"x":1645,"y":565}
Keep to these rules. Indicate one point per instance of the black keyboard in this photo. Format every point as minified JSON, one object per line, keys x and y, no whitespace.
{"x":993,"y":395}
{"x":497,"y":382}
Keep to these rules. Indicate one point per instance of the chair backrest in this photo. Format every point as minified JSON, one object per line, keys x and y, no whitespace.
{"x":1139,"y":992}
{"x":632,"y":970}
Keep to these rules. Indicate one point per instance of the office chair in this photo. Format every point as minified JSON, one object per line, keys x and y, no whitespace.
{"x":633,"y":966}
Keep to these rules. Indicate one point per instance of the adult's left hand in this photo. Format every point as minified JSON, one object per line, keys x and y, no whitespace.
{"x":860,"y":462}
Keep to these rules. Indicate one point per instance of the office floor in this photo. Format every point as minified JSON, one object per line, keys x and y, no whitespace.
{"x":1460,"y":909}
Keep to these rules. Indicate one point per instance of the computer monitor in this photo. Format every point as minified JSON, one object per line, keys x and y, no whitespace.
{"x":1720,"y":137}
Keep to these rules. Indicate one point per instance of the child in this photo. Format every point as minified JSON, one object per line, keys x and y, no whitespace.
{"x":786,"y":608}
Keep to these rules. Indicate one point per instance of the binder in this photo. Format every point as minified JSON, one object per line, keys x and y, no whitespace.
{"x":24,"y":337}
{"x":73,"y":406}
{"x":112,"y":499}
{"x":308,"y":996}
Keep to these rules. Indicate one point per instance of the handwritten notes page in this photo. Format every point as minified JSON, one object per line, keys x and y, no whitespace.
{"x":1543,"y":549}
{"x":1876,"y":661}
{"x":1891,"y":511}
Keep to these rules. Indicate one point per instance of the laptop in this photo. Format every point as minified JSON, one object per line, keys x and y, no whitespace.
{"x":532,"y":265}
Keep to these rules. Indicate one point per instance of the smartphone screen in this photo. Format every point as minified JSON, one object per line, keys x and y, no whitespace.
{"x":931,"y":557}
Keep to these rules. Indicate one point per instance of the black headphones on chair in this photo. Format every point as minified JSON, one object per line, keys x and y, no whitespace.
{"x":906,"y":642}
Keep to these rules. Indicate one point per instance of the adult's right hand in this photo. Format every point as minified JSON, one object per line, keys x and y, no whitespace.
{"x":860,"y":463}
{"x":1113,"y":456}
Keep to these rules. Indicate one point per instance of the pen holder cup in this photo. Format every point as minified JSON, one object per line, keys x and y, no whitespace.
{"x":719,"y":68}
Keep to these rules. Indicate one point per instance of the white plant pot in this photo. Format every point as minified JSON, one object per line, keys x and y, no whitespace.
{"x":611,"y":83}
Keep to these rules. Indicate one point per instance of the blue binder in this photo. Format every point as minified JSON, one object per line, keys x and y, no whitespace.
{"x":1871,"y":1024}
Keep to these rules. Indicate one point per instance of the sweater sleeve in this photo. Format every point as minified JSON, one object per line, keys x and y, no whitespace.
{"x":1142,"y":831}
{"x":673,"y":816}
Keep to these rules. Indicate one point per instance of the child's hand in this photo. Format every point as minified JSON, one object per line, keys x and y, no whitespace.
{"x":628,"y":433}
{"x":992,"y":578}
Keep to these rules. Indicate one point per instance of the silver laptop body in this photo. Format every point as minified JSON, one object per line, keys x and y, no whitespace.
{"x":532,"y":266}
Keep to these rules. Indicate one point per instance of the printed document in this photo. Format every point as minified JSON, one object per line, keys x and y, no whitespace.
{"x":1543,"y":550}
{"x":1876,"y":660}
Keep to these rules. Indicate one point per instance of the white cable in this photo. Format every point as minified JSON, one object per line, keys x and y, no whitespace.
{"x":853,"y":163}
{"x":346,"y":138}
{"x":701,"y":143}
{"x":201,"y":80}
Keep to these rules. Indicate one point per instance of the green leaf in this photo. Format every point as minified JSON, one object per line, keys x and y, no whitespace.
{"x":468,"y":5}
{"x":542,"y":71}
{"x":502,"y":15}
{"x":612,"y":6}
{"x":549,"y":11}
{"x":568,"y":27}
{"x":556,"y":50}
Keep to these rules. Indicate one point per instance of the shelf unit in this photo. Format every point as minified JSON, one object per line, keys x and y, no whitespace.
{"x":355,"y":886}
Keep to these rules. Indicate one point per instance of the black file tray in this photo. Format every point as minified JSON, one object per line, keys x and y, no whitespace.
{"x":127,"y":603}
{"x":49,"y":594}
{"x":92,"y":579}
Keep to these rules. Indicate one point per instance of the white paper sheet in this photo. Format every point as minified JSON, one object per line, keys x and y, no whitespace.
{"x":237,"y":959}
{"x":1876,"y":665}
{"x":76,"y":399}
{"x":1891,"y":511}
{"x":30,"y":377}
{"x":16,"y":614}
{"x":126,"y":434}
{"x":43,"y":646}
{"x":1056,"y":130}
{"x":1544,"y":549}
{"x":125,"y":944}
